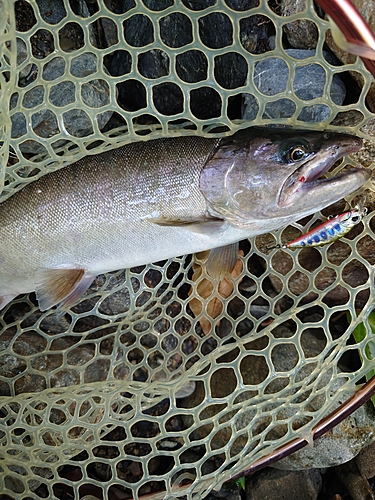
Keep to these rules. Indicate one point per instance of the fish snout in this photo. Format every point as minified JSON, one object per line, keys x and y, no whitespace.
{"x":346,"y":144}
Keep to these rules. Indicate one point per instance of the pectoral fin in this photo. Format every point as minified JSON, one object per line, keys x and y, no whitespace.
{"x":60,"y":286}
{"x":221,"y":261}
{"x":202,"y":226}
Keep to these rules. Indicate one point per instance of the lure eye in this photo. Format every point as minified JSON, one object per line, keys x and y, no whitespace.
{"x":297,"y":154}
{"x":356,"y":219}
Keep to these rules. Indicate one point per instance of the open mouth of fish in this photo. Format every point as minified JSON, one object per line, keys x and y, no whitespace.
{"x":308,"y":175}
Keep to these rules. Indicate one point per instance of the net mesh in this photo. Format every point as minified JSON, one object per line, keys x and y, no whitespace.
{"x":122,"y":395}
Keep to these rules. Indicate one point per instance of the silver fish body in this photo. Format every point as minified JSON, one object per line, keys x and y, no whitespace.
{"x":154,"y":200}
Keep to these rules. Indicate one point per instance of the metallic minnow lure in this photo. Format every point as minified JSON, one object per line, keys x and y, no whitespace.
{"x":331,"y":230}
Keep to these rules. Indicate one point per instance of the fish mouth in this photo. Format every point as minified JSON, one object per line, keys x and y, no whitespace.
{"x":306,"y":178}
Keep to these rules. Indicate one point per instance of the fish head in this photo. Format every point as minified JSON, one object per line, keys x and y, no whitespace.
{"x":276,"y":174}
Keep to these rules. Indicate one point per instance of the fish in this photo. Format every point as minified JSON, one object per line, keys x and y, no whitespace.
{"x":158,"y":199}
{"x":334,"y":228}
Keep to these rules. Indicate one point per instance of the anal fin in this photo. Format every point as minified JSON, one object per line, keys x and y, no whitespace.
{"x":60,"y":286}
{"x":221,"y":260}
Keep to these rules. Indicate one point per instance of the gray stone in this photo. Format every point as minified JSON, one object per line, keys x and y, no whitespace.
{"x":365,"y":461}
{"x":153,"y":64}
{"x":45,"y":123}
{"x":357,"y":485}
{"x":33,"y":97}
{"x":18,"y":125}
{"x":62,"y":94}
{"x":276,"y":485}
{"x":257,"y":34}
{"x":337,"y":446}
{"x":109,"y":31}
{"x":271,"y":77}
{"x":54,"y":68}
{"x":215,"y":30}
{"x":158,"y":5}
{"x":176,"y":30}
{"x":139,"y":31}
{"x":284,"y":108}
{"x":192,"y":66}
{"x":28,"y":73}
{"x":94,"y":94}
{"x":52,"y":11}
{"x":301,"y":33}
{"x":83,"y":65}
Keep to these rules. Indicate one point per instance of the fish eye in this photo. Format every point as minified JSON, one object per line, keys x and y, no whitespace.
{"x":297,"y":153}
{"x":356,"y":219}
{"x":294,"y":150}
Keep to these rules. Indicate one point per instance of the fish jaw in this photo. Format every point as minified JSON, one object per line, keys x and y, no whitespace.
{"x":323,"y":192}
{"x":304,"y":182}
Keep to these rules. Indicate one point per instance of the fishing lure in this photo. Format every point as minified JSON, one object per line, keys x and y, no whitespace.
{"x":331,"y":230}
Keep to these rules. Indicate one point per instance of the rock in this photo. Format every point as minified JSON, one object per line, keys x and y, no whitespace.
{"x":118,"y":62}
{"x":215,"y":30}
{"x":257,"y":34}
{"x":84,"y":65}
{"x":224,"y":74}
{"x":271,"y":77}
{"x":51,"y":11}
{"x":357,"y":485}
{"x":139,"y":30}
{"x":94,"y":93}
{"x":365,"y":461}
{"x":176,"y":30}
{"x":192,"y":66}
{"x":158,"y":5}
{"x":154,"y":64}
{"x":229,"y":491}
{"x":273,"y":484}
{"x":337,"y":446}
{"x":302,"y":33}
{"x":54,"y":68}
{"x":109,"y":32}
{"x":30,"y":71}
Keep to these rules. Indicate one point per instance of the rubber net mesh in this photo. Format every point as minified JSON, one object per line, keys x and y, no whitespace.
{"x":123,"y":395}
